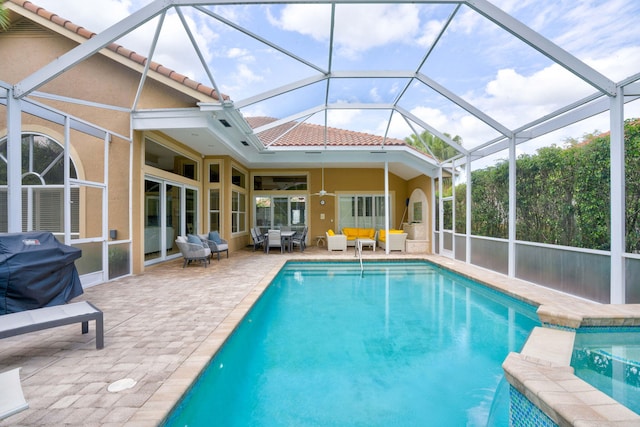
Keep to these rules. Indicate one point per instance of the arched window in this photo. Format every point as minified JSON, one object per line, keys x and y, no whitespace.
{"x":42,"y":186}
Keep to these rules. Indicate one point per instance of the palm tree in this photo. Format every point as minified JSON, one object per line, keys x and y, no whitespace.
{"x":432,"y":145}
{"x":4,"y":16}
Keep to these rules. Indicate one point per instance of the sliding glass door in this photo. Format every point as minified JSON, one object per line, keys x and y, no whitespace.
{"x":170,"y":210}
{"x":362,"y":211}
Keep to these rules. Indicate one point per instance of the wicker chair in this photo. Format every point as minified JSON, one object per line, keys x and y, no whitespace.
{"x":336,"y":242}
{"x":193,"y":251}
{"x":216,"y":243}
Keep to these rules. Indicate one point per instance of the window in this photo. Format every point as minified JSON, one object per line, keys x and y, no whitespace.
{"x":279,"y":182}
{"x":161,"y":157}
{"x":238,"y":201}
{"x":238,"y":212}
{"x":364,"y":211}
{"x":191,"y":210}
{"x":42,"y":186}
{"x":214,"y":173}
{"x":280,"y":211}
{"x":214,"y":210}
{"x":238,"y":178}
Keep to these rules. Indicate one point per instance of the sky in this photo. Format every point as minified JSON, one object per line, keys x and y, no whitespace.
{"x":474,"y":59}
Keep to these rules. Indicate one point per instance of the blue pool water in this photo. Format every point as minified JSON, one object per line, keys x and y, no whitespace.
{"x":609,"y":360}
{"x":401,"y":344}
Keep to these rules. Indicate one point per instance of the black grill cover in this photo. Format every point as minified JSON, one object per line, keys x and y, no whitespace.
{"x":36,"y":271}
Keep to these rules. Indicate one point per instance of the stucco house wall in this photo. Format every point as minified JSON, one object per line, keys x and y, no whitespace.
{"x":113,"y":79}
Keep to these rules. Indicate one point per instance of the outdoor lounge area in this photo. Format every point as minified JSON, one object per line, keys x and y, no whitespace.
{"x":493,"y":138}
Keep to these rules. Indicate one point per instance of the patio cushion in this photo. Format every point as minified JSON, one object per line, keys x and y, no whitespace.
{"x":354,"y":233}
{"x":215,"y":236}
{"x":382,"y":235}
{"x":194,"y":239}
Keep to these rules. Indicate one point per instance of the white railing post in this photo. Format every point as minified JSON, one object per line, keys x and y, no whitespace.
{"x":617,"y":193}
{"x":14,"y":164}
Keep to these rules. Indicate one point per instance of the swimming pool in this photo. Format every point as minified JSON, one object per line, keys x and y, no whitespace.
{"x":609,"y":360}
{"x":402,"y":343}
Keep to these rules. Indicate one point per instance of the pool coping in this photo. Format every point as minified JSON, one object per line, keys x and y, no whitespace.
{"x":541,"y":371}
{"x":162,"y":402}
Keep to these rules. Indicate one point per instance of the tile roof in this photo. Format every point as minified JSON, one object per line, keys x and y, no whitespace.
{"x":307,"y":134}
{"x":120,"y":50}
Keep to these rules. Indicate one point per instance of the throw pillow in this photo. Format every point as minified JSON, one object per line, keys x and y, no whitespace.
{"x":331,"y":233}
{"x":215,"y":236}
{"x":194,"y":239}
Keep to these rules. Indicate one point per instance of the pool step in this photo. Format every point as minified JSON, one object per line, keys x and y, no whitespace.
{"x":606,"y":363}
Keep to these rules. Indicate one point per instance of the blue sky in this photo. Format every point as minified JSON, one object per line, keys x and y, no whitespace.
{"x":475,"y":59}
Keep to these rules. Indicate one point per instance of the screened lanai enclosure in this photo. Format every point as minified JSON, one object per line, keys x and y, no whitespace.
{"x":522,"y":115}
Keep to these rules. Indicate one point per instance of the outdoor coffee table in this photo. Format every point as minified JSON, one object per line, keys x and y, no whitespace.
{"x":366,"y":242}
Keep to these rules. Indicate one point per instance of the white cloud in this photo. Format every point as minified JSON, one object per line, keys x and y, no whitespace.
{"x":239,"y":80}
{"x":433,"y":117}
{"x":246,"y":75}
{"x":401,"y":24}
{"x":374,"y":95}
{"x":597,"y":28}
{"x":236,"y":52}
{"x":618,"y":65}
{"x":308,"y":19}
{"x":515,"y":99}
{"x":466,"y":21}
{"x":429,"y":32}
{"x":342,"y":118}
{"x":352,"y":36}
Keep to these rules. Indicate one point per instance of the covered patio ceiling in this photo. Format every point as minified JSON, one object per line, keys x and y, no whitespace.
{"x":383,"y":68}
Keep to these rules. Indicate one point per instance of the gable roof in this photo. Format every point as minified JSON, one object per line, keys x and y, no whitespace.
{"x":67,"y":25}
{"x":294,"y":134}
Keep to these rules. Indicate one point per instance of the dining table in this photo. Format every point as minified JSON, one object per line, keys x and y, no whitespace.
{"x":286,"y":238}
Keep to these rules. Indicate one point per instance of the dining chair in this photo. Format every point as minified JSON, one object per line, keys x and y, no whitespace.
{"x":274,"y":240}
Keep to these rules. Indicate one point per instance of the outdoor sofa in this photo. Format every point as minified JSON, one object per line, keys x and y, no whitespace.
{"x":395,"y":240}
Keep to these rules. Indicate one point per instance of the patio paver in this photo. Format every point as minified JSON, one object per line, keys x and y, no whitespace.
{"x":161,"y":328}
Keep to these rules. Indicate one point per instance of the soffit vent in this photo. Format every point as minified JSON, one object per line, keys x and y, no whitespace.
{"x":25,"y":27}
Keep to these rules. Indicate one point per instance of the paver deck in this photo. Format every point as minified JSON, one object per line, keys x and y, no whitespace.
{"x":161,"y":328}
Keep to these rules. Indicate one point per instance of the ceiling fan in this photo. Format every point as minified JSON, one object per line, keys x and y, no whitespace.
{"x":323,"y":192}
